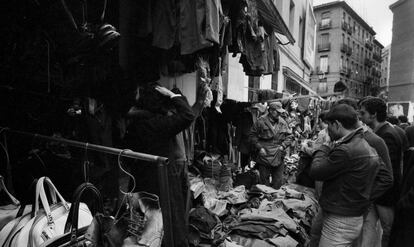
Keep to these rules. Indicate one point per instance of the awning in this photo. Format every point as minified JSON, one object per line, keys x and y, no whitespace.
{"x":271,"y":16}
{"x":290,"y":73}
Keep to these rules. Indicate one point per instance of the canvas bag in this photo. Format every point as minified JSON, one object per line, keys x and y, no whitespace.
{"x":48,"y":222}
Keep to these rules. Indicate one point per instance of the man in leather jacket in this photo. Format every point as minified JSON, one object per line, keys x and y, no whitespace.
{"x":348,"y":168}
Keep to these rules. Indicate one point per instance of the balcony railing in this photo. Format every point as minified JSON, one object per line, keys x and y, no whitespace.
{"x":368,"y":45}
{"x":344,"y":48}
{"x":343,"y":70}
{"x":321,"y":71}
{"x":368,"y":62}
{"x":344,"y":26}
{"x":377,"y":57}
{"x":349,"y":51}
{"x":326,"y":25}
{"x":350,"y":30}
{"x":324,"y":47}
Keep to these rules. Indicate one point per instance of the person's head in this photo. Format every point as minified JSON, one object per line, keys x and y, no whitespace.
{"x":373,"y":110}
{"x":403,"y":119}
{"x":393,"y":120}
{"x":275,"y":109}
{"x":322,"y":120}
{"x":347,"y":101}
{"x":151,"y":100}
{"x":342,"y":119}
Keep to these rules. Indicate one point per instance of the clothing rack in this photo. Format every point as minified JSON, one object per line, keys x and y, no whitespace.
{"x":162,"y":163}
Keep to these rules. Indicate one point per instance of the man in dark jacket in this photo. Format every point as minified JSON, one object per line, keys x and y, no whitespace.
{"x":349,"y":169}
{"x":270,"y":136}
{"x":154,"y":131}
{"x":373,"y":113}
{"x":403,"y":228}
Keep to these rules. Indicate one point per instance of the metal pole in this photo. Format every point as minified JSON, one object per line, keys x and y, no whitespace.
{"x":165,"y":204}
{"x":99,"y":148}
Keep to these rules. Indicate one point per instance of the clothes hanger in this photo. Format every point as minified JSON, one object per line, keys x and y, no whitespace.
{"x":86,"y":165}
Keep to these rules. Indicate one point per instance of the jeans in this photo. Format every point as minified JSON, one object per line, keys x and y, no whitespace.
{"x":276,"y":173}
{"x":340,"y":231}
{"x":370,"y":235}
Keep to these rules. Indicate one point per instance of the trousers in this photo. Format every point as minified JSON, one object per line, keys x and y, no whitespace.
{"x":275,"y":172}
{"x":370,"y":235}
{"x":339,"y":230}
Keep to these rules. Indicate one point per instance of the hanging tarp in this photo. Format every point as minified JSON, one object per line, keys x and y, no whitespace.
{"x":271,"y":16}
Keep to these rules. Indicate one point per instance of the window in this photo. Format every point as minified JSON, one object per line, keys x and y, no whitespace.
{"x":326,"y":18}
{"x":347,"y":63}
{"x":301,"y":32}
{"x":292,"y":16}
{"x":343,"y":38}
{"x":324,"y":38}
{"x":349,"y":42}
{"x":323,"y":64}
{"x":358,"y":30}
{"x":344,"y":17}
{"x":341,"y":63}
{"x":354,"y":27}
{"x":349,"y":20}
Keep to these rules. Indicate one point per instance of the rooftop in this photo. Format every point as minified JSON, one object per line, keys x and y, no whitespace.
{"x":378,"y":44}
{"x":348,"y":9}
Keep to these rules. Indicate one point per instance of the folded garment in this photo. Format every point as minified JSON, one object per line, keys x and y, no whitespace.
{"x":283,"y":241}
{"x":263,"y":188}
{"x":276,"y":214}
{"x":235,"y":196}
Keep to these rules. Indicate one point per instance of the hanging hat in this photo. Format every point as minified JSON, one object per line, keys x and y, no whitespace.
{"x":277,"y":106}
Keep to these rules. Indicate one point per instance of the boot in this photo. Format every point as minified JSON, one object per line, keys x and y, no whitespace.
{"x":149,"y":233}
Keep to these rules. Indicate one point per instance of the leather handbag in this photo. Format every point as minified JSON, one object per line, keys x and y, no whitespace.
{"x":10,"y":231}
{"x":75,"y":235}
{"x":48,"y":222}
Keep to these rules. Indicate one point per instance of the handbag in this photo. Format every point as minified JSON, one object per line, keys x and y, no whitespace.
{"x":75,"y":235}
{"x":24,"y":214}
{"x":48,"y":222}
{"x":7,"y":212}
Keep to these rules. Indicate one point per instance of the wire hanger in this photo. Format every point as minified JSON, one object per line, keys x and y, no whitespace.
{"x":86,"y":165}
{"x":34,"y":152}
{"x":127,"y":173}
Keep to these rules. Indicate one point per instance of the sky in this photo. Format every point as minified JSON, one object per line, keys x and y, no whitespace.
{"x":376,"y":13}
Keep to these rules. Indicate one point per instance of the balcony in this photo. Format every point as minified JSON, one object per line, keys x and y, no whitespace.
{"x":350,"y":29}
{"x":320,"y":71}
{"x":344,"y":48}
{"x":343,"y":70}
{"x":325,"y":25}
{"x":368,"y":44}
{"x":324,"y":47}
{"x":368,"y":62}
{"x":349,"y":51}
{"x":344,"y":26}
{"x":377,"y":57}
{"x":369,"y":79}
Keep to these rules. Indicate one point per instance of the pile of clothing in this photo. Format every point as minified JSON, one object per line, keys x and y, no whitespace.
{"x":259,"y":216}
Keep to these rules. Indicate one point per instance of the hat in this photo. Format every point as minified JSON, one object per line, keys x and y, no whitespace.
{"x":277,"y":106}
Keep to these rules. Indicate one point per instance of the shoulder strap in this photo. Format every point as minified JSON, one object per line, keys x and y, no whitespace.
{"x":267,"y":122}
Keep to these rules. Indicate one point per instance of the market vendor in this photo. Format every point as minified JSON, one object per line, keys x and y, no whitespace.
{"x":270,"y":136}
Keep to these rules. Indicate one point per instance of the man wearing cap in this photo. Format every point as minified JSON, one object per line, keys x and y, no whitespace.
{"x":270,"y":136}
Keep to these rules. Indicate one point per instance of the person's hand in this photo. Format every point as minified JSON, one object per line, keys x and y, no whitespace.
{"x":262,"y":152}
{"x":164,"y":91}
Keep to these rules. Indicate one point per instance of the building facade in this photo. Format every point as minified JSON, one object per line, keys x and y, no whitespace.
{"x":385,"y":69}
{"x":347,"y":57}
{"x":401,"y":84}
{"x":296,"y":61}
